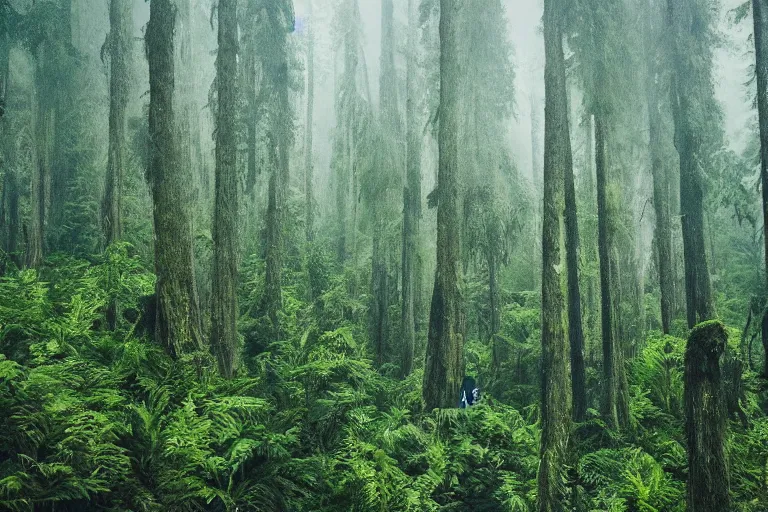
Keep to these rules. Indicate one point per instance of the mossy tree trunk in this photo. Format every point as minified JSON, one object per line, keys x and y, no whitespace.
{"x":9,"y":214}
{"x":178,"y":314}
{"x":705,"y":419}
{"x":444,"y":367}
{"x":555,"y":376}
{"x":119,"y":42}
{"x":759,"y":13}
{"x":225,"y":233}
{"x":615,"y":401}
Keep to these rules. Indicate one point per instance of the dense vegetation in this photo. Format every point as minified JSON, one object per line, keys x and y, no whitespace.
{"x":242,"y":282}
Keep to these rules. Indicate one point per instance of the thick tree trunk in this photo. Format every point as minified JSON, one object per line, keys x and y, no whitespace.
{"x":705,"y":419}
{"x":411,"y":206}
{"x":759,"y":13}
{"x":444,"y":367}
{"x":10,"y":195}
{"x":225,"y":234}
{"x":575,"y":327}
{"x":615,"y":402}
{"x":178,"y":315}
{"x":698,"y":290}
{"x":309,"y":201}
{"x":555,"y":376}
{"x":120,"y":41}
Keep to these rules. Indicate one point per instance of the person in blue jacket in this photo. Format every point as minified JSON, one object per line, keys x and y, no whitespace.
{"x":469,"y":393}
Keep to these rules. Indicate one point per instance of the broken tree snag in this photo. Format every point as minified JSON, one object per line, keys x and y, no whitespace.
{"x":705,"y":419}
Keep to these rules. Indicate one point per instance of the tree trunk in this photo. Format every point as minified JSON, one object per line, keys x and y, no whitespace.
{"x":759,"y":13}
{"x":555,"y":379}
{"x":45,"y":121}
{"x":615,"y":403}
{"x":575,"y":327}
{"x":388,"y":105}
{"x":178,"y":315}
{"x":705,"y":419}
{"x":120,"y":47}
{"x":494,"y":299}
{"x":411,"y":206}
{"x":698,"y":291}
{"x":10,"y":194}
{"x":225,"y":234}
{"x":309,"y":201}
{"x":444,"y":367}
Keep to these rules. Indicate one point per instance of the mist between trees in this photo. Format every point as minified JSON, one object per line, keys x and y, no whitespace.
{"x":424,"y":255}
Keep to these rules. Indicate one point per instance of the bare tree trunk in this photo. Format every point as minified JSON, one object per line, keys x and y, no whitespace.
{"x":759,"y":13}
{"x":575,"y":327}
{"x":555,"y":382}
{"x":705,"y":419}
{"x":411,"y":206}
{"x":615,"y":403}
{"x":225,"y":234}
{"x":178,"y":314}
{"x":444,"y":359}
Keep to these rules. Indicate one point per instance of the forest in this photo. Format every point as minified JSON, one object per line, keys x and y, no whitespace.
{"x":384,"y":255}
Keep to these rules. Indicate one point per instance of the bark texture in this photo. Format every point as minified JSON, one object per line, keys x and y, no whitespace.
{"x":120,"y":45}
{"x":615,"y":398}
{"x":225,"y":234}
{"x":178,"y":315}
{"x":759,"y":13}
{"x":444,"y":366}
{"x":705,"y":419}
{"x":555,"y":377}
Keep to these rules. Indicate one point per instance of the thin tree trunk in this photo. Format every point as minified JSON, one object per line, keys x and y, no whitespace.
{"x":308,"y":148}
{"x":225,"y":234}
{"x":494,"y":299}
{"x":10,"y":194}
{"x":759,"y":13}
{"x":411,"y":206}
{"x":555,"y":379}
{"x":388,"y":104}
{"x":575,"y":327}
{"x":444,"y":359}
{"x":45,"y":120}
{"x":705,"y":420}
{"x":178,"y":315}
{"x":615,"y":403}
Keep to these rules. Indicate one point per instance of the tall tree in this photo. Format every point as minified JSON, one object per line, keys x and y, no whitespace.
{"x":599,"y":39}
{"x":225,"y":234}
{"x":705,"y":419}
{"x":178,"y":315}
{"x":277,"y":22}
{"x":760,"y":13}
{"x":309,"y":201}
{"x":555,"y":371}
{"x":444,"y":359}
{"x":391,"y":131}
{"x":663,"y":233}
{"x":694,"y":110}
{"x":9,"y":212}
{"x":411,"y":202}
{"x":119,"y":44}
